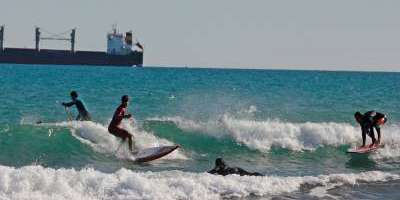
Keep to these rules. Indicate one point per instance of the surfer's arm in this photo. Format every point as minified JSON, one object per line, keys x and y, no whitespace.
{"x":68,"y":104}
{"x":378,"y":131}
{"x":127,"y":116}
{"x":213,"y":171}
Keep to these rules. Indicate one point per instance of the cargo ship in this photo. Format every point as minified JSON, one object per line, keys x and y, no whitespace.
{"x":121,"y":51}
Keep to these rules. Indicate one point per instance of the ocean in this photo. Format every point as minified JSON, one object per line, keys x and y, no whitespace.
{"x":293,"y":126}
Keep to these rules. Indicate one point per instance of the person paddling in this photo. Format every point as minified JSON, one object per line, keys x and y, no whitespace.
{"x":369,"y":121}
{"x":114,"y":126}
{"x":223,"y":169}
{"x":83,"y":113}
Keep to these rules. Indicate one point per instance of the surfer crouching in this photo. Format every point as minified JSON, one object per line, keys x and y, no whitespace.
{"x":119,"y":115}
{"x":83,"y":113}
{"x":368,"y":121}
{"x":222,"y":169}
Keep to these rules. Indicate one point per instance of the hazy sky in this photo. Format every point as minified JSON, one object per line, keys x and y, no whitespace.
{"x":295,"y":34}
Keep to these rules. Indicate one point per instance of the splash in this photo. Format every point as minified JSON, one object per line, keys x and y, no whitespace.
{"x":391,"y":140}
{"x":96,"y":135}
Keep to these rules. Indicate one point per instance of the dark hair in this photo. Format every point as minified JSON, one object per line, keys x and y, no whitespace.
{"x":219,"y":162}
{"x":74,"y":94}
{"x":125,"y":98}
{"x":357,"y":114}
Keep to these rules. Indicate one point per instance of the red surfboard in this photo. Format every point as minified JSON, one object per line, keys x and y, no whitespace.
{"x":154,"y":153}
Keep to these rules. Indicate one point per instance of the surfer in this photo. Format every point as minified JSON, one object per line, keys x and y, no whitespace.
{"x":222,"y":169}
{"x":368,"y":121}
{"x":119,"y":115}
{"x":83,"y":113}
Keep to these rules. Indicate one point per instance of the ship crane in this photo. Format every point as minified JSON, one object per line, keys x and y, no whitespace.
{"x":55,"y":37}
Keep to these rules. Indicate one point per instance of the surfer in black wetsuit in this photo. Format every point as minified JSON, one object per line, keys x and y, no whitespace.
{"x":368,"y":121}
{"x":83,"y":113}
{"x":222,"y":169}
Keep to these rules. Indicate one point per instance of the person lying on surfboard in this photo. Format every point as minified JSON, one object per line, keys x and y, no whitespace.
{"x":368,"y":121}
{"x":114,"y":126}
{"x":222,"y":169}
{"x":83,"y":113}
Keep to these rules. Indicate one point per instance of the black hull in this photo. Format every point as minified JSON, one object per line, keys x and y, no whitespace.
{"x":63,"y":57}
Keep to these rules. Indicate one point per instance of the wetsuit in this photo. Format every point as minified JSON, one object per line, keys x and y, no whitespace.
{"x":222,"y":169}
{"x":233,"y":170}
{"x":114,"y":128}
{"x":83,"y":113}
{"x":372,"y":120}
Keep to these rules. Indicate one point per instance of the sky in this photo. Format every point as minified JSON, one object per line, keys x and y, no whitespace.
{"x":281,"y":34}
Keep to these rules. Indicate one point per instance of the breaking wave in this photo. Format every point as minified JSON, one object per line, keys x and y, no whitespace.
{"x":263,"y":135}
{"x":96,"y":135}
{"x":37,"y":182}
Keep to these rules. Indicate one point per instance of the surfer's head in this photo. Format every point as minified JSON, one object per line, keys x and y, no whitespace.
{"x":125,"y":100}
{"x":74,"y":95}
{"x":358,"y":116}
{"x":220,"y":163}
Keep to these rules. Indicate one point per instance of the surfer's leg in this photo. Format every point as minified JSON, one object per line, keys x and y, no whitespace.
{"x":130,"y":143}
{"x":124,"y":134}
{"x":86,"y":117}
{"x":363,"y":133}
{"x":372,"y":135}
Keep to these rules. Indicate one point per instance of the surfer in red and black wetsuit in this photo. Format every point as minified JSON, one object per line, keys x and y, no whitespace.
{"x":368,"y":121}
{"x":120,"y":114}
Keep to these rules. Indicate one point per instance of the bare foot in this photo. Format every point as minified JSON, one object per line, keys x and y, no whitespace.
{"x":371,"y":145}
{"x":135,"y":151}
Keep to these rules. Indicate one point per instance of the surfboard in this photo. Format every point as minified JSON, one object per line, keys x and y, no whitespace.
{"x":154,"y":153}
{"x":366,"y":149}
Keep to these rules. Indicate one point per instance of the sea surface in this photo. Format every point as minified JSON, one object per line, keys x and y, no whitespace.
{"x":293,"y":126}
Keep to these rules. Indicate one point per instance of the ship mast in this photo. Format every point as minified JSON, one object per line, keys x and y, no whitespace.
{"x":1,"y":37}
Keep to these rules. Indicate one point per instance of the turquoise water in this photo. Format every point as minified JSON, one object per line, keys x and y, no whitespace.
{"x":285,"y":124}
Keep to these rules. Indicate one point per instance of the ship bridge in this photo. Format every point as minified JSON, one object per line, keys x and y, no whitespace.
{"x":118,"y":44}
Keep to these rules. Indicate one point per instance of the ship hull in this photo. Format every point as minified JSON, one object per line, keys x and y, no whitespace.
{"x":64,"y":57}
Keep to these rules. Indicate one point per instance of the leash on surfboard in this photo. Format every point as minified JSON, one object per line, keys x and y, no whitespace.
{"x":69,"y":116}
{"x":119,"y":146}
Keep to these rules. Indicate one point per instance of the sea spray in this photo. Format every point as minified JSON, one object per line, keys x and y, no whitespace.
{"x":97,"y":136}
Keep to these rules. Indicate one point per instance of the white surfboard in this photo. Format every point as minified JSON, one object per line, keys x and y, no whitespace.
{"x":154,"y":153}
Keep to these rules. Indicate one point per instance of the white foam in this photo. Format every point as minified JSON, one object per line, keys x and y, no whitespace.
{"x":262,"y":135}
{"x":36,"y":182}
{"x":97,"y":136}
{"x":391,"y":140}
